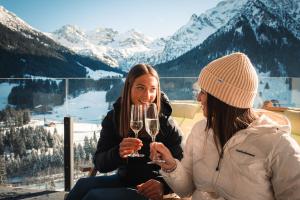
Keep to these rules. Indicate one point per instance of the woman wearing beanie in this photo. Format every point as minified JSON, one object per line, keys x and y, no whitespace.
{"x":236,"y":152}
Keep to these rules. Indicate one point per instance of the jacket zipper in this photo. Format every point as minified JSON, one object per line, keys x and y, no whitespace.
{"x":219,"y":161}
{"x":217,"y":169}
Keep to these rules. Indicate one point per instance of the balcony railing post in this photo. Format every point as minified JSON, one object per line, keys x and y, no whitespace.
{"x":68,"y":153}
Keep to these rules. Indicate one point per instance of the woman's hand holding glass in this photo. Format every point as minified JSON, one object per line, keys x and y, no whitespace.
{"x":129,"y":146}
{"x":158,"y":148}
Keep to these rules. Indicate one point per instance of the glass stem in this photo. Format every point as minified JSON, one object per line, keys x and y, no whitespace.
{"x":153,"y":138}
{"x":154,"y":156}
{"x":136,"y":134}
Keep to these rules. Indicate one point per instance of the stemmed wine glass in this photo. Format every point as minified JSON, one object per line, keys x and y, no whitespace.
{"x":152,"y":126}
{"x":136,"y":123}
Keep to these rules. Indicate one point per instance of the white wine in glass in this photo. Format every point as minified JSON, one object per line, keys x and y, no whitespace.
{"x":152,"y":126}
{"x":136,"y":123}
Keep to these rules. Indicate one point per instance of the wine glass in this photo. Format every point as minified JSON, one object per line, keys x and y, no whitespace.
{"x":136,"y":124}
{"x":152,"y":126}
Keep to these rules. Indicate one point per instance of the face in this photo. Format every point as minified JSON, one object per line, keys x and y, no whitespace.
{"x":202,"y":98}
{"x":144,"y":89}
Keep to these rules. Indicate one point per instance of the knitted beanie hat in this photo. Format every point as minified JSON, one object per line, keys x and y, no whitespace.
{"x":231,"y":79}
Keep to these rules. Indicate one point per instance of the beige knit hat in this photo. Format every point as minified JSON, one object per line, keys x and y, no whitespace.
{"x":232,"y":79}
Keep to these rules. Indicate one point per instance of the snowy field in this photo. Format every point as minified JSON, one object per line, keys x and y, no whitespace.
{"x":86,"y":110}
{"x":89,"y":107}
{"x":80,"y":130}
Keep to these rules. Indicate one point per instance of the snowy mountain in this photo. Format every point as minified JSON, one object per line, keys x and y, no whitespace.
{"x":14,"y":23}
{"x":201,"y":27}
{"x":123,"y":50}
{"x":268,"y":36}
{"x":26,"y":51}
{"x":106,"y":44}
{"x":191,"y":34}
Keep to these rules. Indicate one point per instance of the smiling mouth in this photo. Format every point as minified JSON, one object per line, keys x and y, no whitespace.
{"x":143,"y":102}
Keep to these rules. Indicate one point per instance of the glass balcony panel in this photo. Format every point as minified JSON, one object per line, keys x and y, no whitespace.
{"x":87,"y":101}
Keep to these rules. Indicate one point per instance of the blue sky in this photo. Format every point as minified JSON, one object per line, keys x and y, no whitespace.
{"x":152,"y":17}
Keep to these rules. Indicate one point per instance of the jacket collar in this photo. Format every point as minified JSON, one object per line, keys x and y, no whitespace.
{"x":266,"y":123}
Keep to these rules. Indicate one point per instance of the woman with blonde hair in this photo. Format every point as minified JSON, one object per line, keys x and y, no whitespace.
{"x":236,"y":152}
{"x":135,"y":179}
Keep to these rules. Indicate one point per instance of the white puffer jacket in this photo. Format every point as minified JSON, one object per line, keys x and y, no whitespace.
{"x":261,"y":162}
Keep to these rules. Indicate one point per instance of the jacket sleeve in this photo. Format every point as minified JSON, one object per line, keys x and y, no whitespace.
{"x":107,"y":156}
{"x":181,"y":179}
{"x":285,"y":166}
{"x":172,"y":139}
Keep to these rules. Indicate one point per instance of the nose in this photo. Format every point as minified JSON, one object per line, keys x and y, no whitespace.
{"x":147,"y":96}
{"x":199,"y":97}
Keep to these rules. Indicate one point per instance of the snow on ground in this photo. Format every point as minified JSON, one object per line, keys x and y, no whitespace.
{"x":44,"y":78}
{"x":97,"y":74}
{"x":89,"y":107}
{"x":86,"y":110}
{"x":80,"y":130}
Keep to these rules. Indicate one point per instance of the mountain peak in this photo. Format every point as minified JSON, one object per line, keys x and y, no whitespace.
{"x":133,"y":38}
{"x":194,"y":17}
{"x":104,"y":30}
{"x":134,"y":33}
{"x":69,"y":29}
{"x":13,"y":22}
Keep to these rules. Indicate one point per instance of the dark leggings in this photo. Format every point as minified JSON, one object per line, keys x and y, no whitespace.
{"x":102,"y":187}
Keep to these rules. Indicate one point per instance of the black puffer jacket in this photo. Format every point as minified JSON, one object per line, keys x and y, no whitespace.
{"x":134,"y":171}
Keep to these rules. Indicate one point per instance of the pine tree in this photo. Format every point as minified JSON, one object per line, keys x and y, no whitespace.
{"x":26,"y":116}
{"x":87,"y":148}
{"x":81,"y":152}
{"x":1,"y":143}
{"x":3,"y":175}
{"x":50,"y":139}
{"x":19,"y":146}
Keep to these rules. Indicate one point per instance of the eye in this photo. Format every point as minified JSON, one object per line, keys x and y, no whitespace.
{"x":140,"y":88}
{"x":153,"y":90}
{"x":202,"y":92}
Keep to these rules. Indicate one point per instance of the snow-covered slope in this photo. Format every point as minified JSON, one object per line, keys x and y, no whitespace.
{"x":127,"y":49}
{"x":25,"y":50}
{"x":191,"y":34}
{"x":131,"y":47}
{"x":200,"y":27}
{"x":268,"y":36}
{"x":13,"y":22}
{"x":106,"y":44}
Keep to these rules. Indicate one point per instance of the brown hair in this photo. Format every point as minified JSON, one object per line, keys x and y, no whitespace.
{"x":135,"y":72}
{"x":226,"y":120}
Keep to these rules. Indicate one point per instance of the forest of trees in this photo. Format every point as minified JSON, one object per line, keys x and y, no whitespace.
{"x":30,"y":93}
{"x":29,"y":150}
{"x":12,"y":117}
